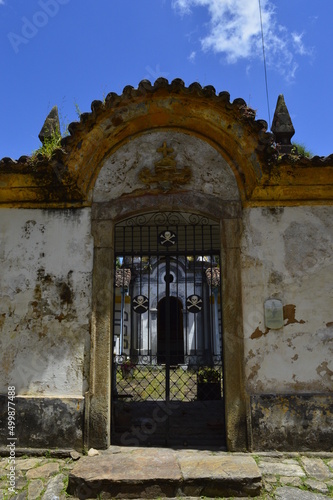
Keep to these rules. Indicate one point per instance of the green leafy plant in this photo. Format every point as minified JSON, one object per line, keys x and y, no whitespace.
{"x":209,"y":375}
{"x":50,"y":145}
{"x":301,"y":150}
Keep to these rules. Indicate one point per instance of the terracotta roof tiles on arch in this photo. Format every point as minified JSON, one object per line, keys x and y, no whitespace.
{"x":67,"y":179}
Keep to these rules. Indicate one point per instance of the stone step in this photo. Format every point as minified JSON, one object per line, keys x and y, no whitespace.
{"x":158,"y":472}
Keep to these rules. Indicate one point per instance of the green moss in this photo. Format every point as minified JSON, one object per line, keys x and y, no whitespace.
{"x":47,"y":149}
{"x":301,"y":150}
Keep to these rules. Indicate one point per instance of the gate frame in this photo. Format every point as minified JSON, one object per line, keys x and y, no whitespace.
{"x":98,"y":398}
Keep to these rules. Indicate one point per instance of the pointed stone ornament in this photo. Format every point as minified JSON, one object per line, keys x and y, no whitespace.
{"x":282,"y":126}
{"x":51,"y":124}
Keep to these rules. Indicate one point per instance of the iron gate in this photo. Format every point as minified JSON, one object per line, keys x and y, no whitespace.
{"x":167,"y":375}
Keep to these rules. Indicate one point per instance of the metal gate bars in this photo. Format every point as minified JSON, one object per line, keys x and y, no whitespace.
{"x":167,"y":375}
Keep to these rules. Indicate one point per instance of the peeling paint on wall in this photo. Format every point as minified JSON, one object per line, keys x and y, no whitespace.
{"x":45,"y":301}
{"x":292,"y":262}
{"x":289,"y":313}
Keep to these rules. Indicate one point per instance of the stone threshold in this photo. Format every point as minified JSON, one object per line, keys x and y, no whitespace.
{"x":160,"y":472}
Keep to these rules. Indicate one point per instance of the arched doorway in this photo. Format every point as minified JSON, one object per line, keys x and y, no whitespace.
{"x":167,"y":344}
{"x":170,"y":309}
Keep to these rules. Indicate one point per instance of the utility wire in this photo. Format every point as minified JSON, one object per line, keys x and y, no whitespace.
{"x":264,"y":57}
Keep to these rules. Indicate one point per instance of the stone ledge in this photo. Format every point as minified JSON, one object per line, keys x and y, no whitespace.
{"x":153,"y":472}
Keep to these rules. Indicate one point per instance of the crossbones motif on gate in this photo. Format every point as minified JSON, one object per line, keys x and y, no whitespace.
{"x":140,"y":304}
{"x":193,"y":303}
{"x":167,"y":238}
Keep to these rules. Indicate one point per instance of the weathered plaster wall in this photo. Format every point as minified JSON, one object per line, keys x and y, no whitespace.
{"x":45,"y":308}
{"x":287,"y":254}
{"x":120,"y":172}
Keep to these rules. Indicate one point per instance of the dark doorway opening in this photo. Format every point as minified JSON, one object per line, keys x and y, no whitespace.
{"x":172,"y":307}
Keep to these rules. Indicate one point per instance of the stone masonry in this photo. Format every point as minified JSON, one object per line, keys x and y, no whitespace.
{"x":285,"y":476}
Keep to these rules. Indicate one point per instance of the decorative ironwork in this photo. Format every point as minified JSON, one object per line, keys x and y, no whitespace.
{"x":160,"y":340}
{"x":123,"y":278}
{"x":140,"y":304}
{"x":213,"y":276}
{"x":167,"y":238}
{"x":168,"y":219}
{"x":140,"y":235}
{"x":194,"y":303}
{"x":143,"y":379}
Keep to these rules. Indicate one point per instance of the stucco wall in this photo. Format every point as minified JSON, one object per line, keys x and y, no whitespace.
{"x":287,"y":254}
{"x":45,"y":308}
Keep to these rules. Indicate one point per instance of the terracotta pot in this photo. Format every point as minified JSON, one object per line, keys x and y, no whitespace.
{"x":208,"y":391}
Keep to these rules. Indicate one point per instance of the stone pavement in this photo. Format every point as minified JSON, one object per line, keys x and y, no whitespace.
{"x":152,"y":473}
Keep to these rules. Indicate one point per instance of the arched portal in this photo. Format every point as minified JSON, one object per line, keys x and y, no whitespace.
{"x":167,"y":330}
{"x":203,"y":187}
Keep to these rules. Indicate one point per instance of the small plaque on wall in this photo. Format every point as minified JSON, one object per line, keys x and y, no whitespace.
{"x":273,"y":314}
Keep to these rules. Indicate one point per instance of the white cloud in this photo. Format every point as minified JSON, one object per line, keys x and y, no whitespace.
{"x":191,"y":57}
{"x":235,"y":31}
{"x":299,"y":45}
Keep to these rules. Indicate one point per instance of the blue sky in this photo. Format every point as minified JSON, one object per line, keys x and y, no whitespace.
{"x":71,"y":52}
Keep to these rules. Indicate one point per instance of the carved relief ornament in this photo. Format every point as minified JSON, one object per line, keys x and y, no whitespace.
{"x":166,"y":174}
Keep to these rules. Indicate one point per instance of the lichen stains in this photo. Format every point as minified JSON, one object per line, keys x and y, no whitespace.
{"x":117,"y":120}
{"x":42,"y":277}
{"x":289,"y":314}
{"x":53,"y":296}
{"x":324,"y":372}
{"x":2,"y":320}
{"x":258,"y":333}
{"x":274,"y":213}
{"x":276,"y":278}
{"x":28,"y":227}
{"x":65,"y":293}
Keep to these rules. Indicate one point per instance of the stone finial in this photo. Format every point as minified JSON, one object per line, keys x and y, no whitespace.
{"x":51,"y":125}
{"x":282,"y":126}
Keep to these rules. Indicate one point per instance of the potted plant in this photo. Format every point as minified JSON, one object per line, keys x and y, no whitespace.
{"x":127,"y":368}
{"x":209,"y":384}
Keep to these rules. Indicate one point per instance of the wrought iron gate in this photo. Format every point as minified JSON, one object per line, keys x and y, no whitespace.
{"x":167,"y":376}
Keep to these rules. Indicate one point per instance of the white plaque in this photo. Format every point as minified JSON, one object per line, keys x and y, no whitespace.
{"x":273,"y":314}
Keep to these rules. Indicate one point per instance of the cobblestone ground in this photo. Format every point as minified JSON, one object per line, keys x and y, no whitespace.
{"x":289,"y":476}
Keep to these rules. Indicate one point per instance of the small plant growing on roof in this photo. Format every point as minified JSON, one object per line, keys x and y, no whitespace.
{"x":49,"y":136}
{"x":48,"y":147}
{"x":300,"y":149}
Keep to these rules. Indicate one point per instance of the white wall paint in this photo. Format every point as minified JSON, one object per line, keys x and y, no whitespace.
{"x":46,"y":267}
{"x":287,"y":253}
